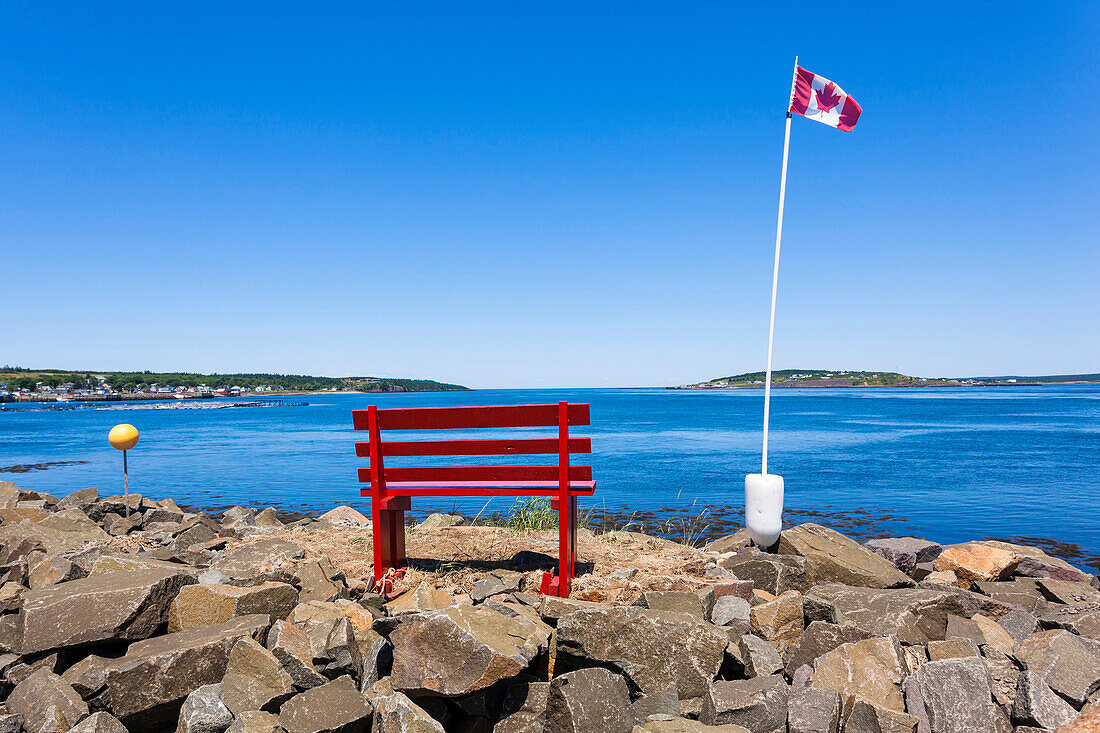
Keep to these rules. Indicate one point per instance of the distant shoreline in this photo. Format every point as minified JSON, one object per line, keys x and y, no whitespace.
{"x":847,"y":379}
{"x":809,"y":385}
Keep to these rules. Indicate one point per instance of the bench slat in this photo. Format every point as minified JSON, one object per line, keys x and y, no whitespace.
{"x":484,"y":488}
{"x":441,"y":474}
{"x":456,"y":418}
{"x":502,"y":447}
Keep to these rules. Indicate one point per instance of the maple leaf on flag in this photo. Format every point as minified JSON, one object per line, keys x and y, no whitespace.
{"x":815,"y":97}
{"x":827,"y":98}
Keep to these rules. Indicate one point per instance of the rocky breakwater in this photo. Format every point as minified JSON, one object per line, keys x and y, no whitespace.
{"x":166,"y":619}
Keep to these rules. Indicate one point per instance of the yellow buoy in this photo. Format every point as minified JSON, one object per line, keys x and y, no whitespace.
{"x":123,"y":437}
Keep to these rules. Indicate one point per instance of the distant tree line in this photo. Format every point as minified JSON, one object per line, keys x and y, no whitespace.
{"x":27,"y":379}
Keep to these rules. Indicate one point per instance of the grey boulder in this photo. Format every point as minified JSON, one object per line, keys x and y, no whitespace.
{"x":523,"y":709}
{"x":832,"y":557}
{"x":1036,"y":704}
{"x":101,"y":722}
{"x":905,"y":552}
{"x":728,"y":610}
{"x":121,"y":605}
{"x":592,"y":699}
{"x":459,"y":650}
{"x":46,"y":703}
{"x":775,"y":574}
{"x":916,"y":616}
{"x":812,"y":710}
{"x":254,"y":679}
{"x":204,"y":712}
{"x":759,"y":704}
{"x":334,"y":707}
{"x":654,"y":650}
{"x":149,"y":684}
{"x":957,"y":695}
{"x":1068,"y":663}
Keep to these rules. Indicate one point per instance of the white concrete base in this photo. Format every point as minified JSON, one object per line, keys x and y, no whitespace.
{"x":764,"y":507}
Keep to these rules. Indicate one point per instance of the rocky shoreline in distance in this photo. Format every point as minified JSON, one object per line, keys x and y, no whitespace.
{"x":126,"y":614}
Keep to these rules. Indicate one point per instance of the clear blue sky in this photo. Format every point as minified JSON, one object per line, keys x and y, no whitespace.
{"x":523,"y":194}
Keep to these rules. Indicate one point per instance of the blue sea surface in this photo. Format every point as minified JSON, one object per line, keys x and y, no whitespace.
{"x":943,"y":463}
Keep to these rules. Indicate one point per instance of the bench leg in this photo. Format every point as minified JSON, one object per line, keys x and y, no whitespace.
{"x":396,"y":518}
{"x":573,"y":537}
{"x":381,"y":534}
{"x":389,"y":542}
{"x":567,"y":545}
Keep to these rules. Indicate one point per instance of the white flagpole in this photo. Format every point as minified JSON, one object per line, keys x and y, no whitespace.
{"x":775,"y":274}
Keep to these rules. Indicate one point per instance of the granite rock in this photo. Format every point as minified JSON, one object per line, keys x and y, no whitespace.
{"x":980,"y":629}
{"x":758,"y":704}
{"x":1069,"y":592}
{"x":122,"y":605}
{"x":1081,"y":620}
{"x":780,"y":621}
{"x":523,"y":708}
{"x":291,"y":647}
{"x":345,"y":516}
{"x":460,"y":650}
{"x":813,"y":710}
{"x":100,"y":722}
{"x":1087,"y":723}
{"x":256,"y":562}
{"x":214,"y":603}
{"x":46,"y":703}
{"x":148,"y":685}
{"x":591,"y":699}
{"x":957,"y":695}
{"x":1068,"y":663}
{"x":973,"y":562}
{"x":872,"y":669}
{"x":866,"y":717}
{"x":775,"y":574}
{"x":1036,"y":704}
{"x":905,"y":552}
{"x":204,"y":712}
{"x":759,"y":658}
{"x":254,"y":679}
{"x":692,"y":603}
{"x":820,"y":638}
{"x":439,"y":521}
{"x":916,"y":616}
{"x":832,"y":557}
{"x":654,"y":650}
{"x":334,"y":707}
{"x":728,"y":610}
{"x":256,"y":721}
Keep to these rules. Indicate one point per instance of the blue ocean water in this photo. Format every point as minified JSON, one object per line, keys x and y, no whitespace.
{"x":942,"y":463}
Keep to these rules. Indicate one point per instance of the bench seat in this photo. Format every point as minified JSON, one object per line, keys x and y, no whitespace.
{"x":485,"y":488}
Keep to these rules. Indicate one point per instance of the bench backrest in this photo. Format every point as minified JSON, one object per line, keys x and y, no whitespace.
{"x":562,"y":415}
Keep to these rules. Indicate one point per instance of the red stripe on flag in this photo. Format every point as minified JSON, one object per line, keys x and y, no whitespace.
{"x":800,"y":102}
{"x":850,"y":114}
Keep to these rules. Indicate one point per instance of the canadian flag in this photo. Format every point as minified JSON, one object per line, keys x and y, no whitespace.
{"x":820,"y":99}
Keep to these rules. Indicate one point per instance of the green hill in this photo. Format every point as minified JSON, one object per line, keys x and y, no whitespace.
{"x":16,"y":378}
{"x":869,"y":378}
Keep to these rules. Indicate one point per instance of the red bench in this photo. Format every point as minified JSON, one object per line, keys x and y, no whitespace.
{"x":391,"y":488}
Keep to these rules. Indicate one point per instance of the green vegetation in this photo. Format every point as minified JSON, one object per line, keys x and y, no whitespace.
{"x":531,"y":513}
{"x":18,"y":378}
{"x":1049,"y":379}
{"x":786,"y":376}
{"x":868,"y":378}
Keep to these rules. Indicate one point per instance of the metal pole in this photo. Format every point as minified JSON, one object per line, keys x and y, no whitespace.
{"x":775,"y":275}
{"x":126,"y":484}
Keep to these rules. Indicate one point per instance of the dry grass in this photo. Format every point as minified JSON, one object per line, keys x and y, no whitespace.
{"x":455,"y":557}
